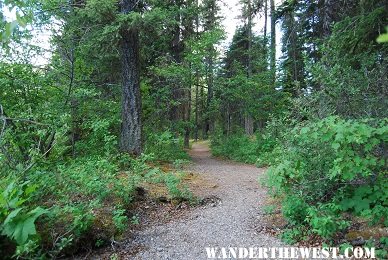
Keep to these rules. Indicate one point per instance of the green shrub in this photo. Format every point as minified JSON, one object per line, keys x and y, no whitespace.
{"x":79,"y":194}
{"x":295,"y":210}
{"x":329,"y":167}
{"x":290,"y":236}
{"x":325,"y":219}
{"x":175,"y":188}
{"x":173,"y":181}
{"x":239,"y":147}
{"x":17,"y":219}
{"x":120,"y":219}
{"x":236,"y":147}
{"x":165,"y":147}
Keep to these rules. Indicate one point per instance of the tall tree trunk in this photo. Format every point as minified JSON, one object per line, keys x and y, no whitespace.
{"x":190,"y":32}
{"x":248,"y":120}
{"x":197,"y":78}
{"x":178,"y":94}
{"x":229,"y":121}
{"x":273,"y":42}
{"x":203,"y":108}
{"x":196,"y":105}
{"x":75,"y":129}
{"x":131,"y":126}
{"x":176,"y":88}
{"x":325,"y":16}
{"x":248,"y":117}
{"x":249,"y":39}
{"x":210,"y":87}
{"x":210,"y":24}
{"x":265,"y":20}
{"x":187,"y":113}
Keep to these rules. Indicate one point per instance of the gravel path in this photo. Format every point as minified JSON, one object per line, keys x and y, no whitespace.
{"x":228,"y":222}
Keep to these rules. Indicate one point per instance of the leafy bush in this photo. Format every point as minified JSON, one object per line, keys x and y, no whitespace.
{"x":165,"y":147}
{"x":239,"y":147}
{"x":120,"y":219}
{"x":79,"y":194}
{"x":173,"y":180}
{"x":329,"y":167}
{"x":176,"y":189}
{"x":290,"y":236}
{"x":17,"y":220}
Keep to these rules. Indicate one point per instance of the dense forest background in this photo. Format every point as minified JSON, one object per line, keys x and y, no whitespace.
{"x":130,"y":83}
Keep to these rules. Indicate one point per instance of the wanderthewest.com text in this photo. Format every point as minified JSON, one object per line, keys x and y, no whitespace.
{"x":288,"y":253}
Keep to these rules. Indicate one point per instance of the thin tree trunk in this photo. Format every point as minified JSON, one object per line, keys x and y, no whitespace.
{"x":190,"y":23}
{"x":204,"y":122}
{"x":196,"y":105}
{"x":273,"y":42}
{"x":248,"y":117}
{"x":248,"y":125}
{"x":187,"y":116}
{"x":197,"y":77}
{"x":69,"y":99}
{"x":176,"y":88}
{"x":265,"y":20}
{"x":131,"y":126}
{"x":249,"y":39}
{"x":210,"y":85}
{"x":74,"y":125}
{"x":177,"y":111}
{"x":229,"y":122}
{"x":210,"y":24}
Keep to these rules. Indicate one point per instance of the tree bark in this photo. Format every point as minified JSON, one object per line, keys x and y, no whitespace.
{"x":187,"y":116}
{"x":210,"y":24}
{"x":197,"y":78}
{"x":249,"y":39}
{"x":265,"y":20}
{"x":248,"y":125}
{"x":210,"y":85}
{"x":248,"y":117}
{"x":273,"y":42}
{"x":196,"y":106}
{"x":131,"y":125}
{"x":203,"y":108}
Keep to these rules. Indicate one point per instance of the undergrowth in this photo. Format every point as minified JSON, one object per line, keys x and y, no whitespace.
{"x":326,"y":172}
{"x":256,"y":149}
{"x":330,"y":171}
{"x":62,"y":206}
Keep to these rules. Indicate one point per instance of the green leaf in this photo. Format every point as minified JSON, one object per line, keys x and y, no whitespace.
{"x":383,"y":37}
{"x":362,"y":205}
{"x":304,"y":130}
{"x":12,"y":215}
{"x":23,"y":230}
{"x":335,"y":146}
{"x":9,"y":28}
{"x":21,"y":20}
{"x":20,"y":226}
{"x":347,"y":204}
{"x":30,"y":189}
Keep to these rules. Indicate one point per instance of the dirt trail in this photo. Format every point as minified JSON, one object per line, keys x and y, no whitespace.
{"x":228,"y":222}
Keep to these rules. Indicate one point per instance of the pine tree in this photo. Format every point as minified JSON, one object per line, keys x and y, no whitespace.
{"x":131,"y":126}
{"x":273,"y":42}
{"x":211,"y":23}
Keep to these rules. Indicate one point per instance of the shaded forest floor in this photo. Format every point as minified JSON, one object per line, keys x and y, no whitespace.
{"x":231,"y":214}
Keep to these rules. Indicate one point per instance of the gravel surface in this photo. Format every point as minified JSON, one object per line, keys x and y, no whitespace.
{"x":236,"y":204}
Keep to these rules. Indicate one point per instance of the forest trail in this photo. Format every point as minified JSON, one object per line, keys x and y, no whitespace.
{"x":228,"y":221}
